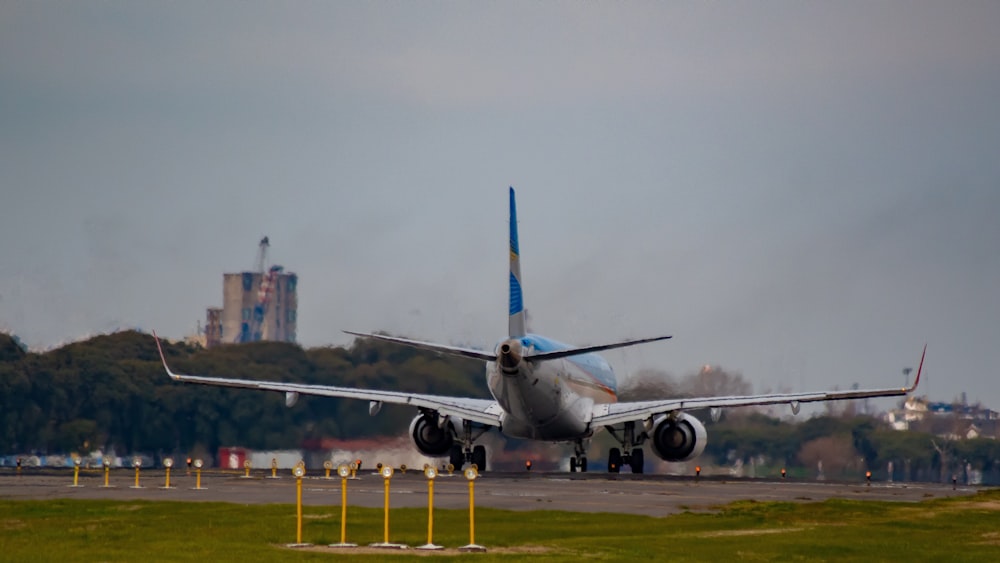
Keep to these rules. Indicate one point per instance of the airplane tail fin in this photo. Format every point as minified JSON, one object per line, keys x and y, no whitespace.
{"x":516,"y":323}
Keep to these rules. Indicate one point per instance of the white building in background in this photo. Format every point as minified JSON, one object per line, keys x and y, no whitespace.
{"x":958,"y":420}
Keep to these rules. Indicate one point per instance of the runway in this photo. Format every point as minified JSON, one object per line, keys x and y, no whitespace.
{"x":650,"y":495}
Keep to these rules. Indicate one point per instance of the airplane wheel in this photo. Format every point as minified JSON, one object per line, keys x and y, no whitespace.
{"x":572,"y":464}
{"x":456,"y":457}
{"x":583,"y":464}
{"x":637,"y":461}
{"x":479,"y":458}
{"x":614,"y":461}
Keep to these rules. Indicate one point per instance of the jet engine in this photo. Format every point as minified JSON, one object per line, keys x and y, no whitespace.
{"x":678,"y":438}
{"x":433,"y":434}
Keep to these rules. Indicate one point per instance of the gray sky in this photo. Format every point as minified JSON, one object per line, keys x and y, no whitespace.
{"x":803,"y":192}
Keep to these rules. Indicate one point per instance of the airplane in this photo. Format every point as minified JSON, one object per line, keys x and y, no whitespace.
{"x":545,"y":390}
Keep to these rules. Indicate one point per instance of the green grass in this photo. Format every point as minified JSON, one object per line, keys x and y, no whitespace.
{"x":961,"y":528}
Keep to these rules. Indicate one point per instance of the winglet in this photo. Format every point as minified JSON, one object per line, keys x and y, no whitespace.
{"x":919,"y":369}
{"x":162,"y":357}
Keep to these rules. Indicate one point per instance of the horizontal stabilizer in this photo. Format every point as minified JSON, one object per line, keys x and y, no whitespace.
{"x":431,"y":346}
{"x":588,"y":349}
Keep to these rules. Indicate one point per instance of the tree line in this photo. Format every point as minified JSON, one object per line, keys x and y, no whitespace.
{"x":111,"y":392}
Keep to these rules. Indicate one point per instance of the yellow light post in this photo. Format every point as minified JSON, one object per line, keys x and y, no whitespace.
{"x":386,"y":473}
{"x":274,"y":468}
{"x":107,"y":471}
{"x":76,"y":472}
{"x":344,"y":471}
{"x":450,"y":468}
{"x":328,"y":465}
{"x":197,"y":472}
{"x":430,"y":473}
{"x":471,"y":473}
{"x":354,"y":469}
{"x":246,"y":469}
{"x":168,"y":463}
{"x":136,"y":463}
{"x":298,"y":471}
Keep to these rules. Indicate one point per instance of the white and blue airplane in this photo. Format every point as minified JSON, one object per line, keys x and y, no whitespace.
{"x":545,"y":390}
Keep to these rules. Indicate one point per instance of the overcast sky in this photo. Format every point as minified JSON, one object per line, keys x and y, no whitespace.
{"x":802,"y":192}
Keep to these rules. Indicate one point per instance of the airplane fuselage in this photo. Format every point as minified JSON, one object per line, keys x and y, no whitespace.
{"x":551,"y":399}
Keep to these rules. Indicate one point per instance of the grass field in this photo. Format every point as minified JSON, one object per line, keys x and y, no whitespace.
{"x":957,"y":529}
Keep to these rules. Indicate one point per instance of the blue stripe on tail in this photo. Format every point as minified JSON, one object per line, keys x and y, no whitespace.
{"x":516,"y":301}
{"x":513,"y":226}
{"x":516,"y":325}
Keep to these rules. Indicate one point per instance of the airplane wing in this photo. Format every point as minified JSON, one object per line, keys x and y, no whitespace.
{"x":616,"y":413}
{"x":482,"y":411}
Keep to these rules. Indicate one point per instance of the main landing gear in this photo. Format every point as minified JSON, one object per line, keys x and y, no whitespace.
{"x":458,"y":456}
{"x":635,"y":458}
{"x":579,"y":459}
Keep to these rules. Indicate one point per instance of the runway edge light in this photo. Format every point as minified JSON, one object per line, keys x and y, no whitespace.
{"x":167,"y":463}
{"x":298,"y":471}
{"x":386,"y":472}
{"x":197,"y":472}
{"x":107,"y":470}
{"x":345,"y":471}
{"x":76,"y":472}
{"x":430,"y":473}
{"x":136,"y":463}
{"x":471,"y":473}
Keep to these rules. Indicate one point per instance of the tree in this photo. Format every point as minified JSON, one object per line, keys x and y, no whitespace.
{"x":714,"y":381}
{"x":836,"y":454}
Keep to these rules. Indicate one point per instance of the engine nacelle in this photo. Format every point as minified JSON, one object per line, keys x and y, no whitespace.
{"x":678,"y":439}
{"x":432,"y":434}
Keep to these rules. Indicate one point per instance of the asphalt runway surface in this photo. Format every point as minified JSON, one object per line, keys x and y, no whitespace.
{"x":652,"y":495}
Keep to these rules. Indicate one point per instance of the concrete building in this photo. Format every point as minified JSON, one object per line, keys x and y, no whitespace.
{"x":213,"y":327}
{"x":258,"y":305}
